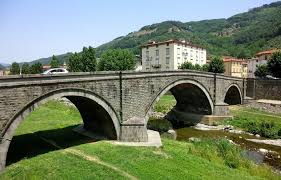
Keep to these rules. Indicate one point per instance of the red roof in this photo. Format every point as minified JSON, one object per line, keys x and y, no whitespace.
{"x":231,"y":59}
{"x":267,"y":52}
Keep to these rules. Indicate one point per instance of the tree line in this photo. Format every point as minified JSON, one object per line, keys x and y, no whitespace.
{"x":85,"y":61}
{"x":216,"y":66}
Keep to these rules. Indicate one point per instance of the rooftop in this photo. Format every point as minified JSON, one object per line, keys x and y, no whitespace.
{"x":171,"y":41}
{"x":232,"y":59}
{"x":267,"y":52}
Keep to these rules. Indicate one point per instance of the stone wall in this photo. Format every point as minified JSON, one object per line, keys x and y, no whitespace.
{"x":264,"y":89}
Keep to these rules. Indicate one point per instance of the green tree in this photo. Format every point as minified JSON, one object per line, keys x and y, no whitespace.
{"x":89,"y":61}
{"x":205,"y":67}
{"x":74,"y":63}
{"x":117,"y":60}
{"x":274,"y":65}
{"x":261,"y":71}
{"x":216,"y":65}
{"x":25,"y":69}
{"x":54,"y":62}
{"x":36,"y":68}
{"x":84,"y":61}
{"x":186,"y":65}
{"x":15,"y":68}
{"x":197,"y":67}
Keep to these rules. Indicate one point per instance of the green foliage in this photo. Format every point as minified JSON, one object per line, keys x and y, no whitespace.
{"x":186,"y":65}
{"x":261,"y":70}
{"x":256,"y":122}
{"x":117,"y":60}
{"x":54,"y":62}
{"x":25,"y":69}
{"x":205,"y":67}
{"x":36,"y":68}
{"x":274,"y":64}
{"x":74,"y":63}
{"x":216,"y":65}
{"x":160,"y":125}
{"x":265,"y":129}
{"x":15,"y":68}
{"x":84,"y":61}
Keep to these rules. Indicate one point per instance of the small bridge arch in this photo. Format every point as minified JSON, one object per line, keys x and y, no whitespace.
{"x":185,"y":92}
{"x":233,"y":95}
{"x":89,"y":104}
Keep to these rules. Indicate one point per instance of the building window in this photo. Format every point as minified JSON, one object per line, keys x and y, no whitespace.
{"x":179,"y":51}
{"x":157,"y":52}
{"x":167,"y":51}
{"x":157,"y":60}
{"x":167,"y":60}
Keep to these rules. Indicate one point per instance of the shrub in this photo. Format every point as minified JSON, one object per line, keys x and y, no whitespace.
{"x":160,"y":125}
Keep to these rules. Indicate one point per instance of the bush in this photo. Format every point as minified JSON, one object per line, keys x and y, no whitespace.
{"x":160,"y":125}
{"x":265,"y":129}
{"x":261,"y":71}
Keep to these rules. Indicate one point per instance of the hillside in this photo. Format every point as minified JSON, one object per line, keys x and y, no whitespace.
{"x":241,"y":35}
{"x":1,"y":67}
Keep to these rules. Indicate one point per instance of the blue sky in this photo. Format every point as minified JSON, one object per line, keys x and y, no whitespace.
{"x":32,"y":29}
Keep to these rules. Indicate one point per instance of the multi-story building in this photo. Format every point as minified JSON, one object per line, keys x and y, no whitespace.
{"x":235,"y":67}
{"x":260,"y":58}
{"x":169,"y":55}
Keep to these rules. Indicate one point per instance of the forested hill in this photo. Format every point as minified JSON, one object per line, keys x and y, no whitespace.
{"x":241,"y":35}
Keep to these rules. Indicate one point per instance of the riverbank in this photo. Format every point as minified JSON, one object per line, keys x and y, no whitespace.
{"x":77,"y":157}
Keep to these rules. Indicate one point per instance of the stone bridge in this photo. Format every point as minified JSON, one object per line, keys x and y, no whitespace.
{"x":116,"y":104}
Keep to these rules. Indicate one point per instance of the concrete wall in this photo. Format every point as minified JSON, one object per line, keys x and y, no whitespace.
{"x":264,"y":89}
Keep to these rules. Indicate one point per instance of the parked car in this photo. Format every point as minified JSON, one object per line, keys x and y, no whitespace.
{"x":55,"y":71}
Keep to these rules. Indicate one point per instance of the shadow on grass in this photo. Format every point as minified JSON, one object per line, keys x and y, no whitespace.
{"x":30,"y":145}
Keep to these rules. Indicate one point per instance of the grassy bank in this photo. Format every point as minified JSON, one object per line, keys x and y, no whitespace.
{"x":256,"y":121}
{"x":79,"y":158}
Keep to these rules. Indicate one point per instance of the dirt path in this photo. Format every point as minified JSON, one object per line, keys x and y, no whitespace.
{"x":90,"y":158}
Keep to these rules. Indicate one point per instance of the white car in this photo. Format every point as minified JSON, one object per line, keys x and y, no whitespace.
{"x":55,"y":71}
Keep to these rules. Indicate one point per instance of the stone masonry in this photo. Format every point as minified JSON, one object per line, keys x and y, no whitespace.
{"x":124,"y":99}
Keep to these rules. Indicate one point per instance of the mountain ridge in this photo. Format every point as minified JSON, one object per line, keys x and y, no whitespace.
{"x":241,"y":35}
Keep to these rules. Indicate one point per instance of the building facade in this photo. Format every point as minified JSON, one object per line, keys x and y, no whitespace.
{"x":169,"y":55}
{"x":260,"y":58}
{"x":235,"y":67}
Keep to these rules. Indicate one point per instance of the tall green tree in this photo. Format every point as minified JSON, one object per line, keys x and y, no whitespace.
{"x":261,"y":71}
{"x":74,"y":63}
{"x":89,"y":62}
{"x":15,"y":68}
{"x":216,"y":65}
{"x":25,"y":69}
{"x":84,"y":61}
{"x":274,"y":65}
{"x":117,"y":60}
{"x":54,"y":62}
{"x":36,"y":68}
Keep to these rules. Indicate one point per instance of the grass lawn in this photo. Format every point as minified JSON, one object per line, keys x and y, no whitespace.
{"x":80,"y":158}
{"x":165,"y":104}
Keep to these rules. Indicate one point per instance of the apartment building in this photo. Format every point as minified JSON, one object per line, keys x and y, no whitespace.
{"x":259,"y":59}
{"x":235,"y":67}
{"x":169,"y":55}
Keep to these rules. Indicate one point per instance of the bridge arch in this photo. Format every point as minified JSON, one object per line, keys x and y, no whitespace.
{"x":195,"y":84}
{"x":81,"y":98}
{"x":233,"y":95}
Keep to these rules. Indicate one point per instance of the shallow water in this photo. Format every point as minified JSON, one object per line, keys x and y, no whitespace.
{"x":251,"y":148}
